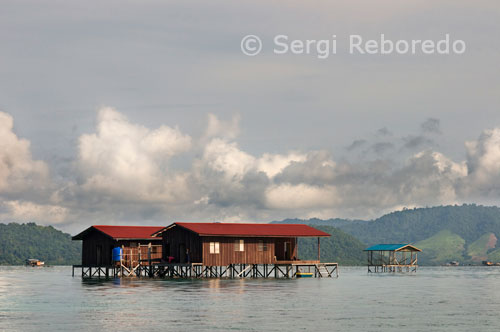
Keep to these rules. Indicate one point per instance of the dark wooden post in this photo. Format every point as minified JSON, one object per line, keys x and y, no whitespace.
{"x":296,"y":248}
{"x":319,"y":244}
{"x":149,"y":260}
{"x":121,"y":260}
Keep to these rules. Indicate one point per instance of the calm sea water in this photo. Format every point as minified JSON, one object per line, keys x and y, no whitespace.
{"x":435,"y":299}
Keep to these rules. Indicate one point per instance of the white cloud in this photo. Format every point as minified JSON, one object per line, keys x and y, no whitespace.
{"x":222,"y":129}
{"x":447,"y":166}
{"x":130,"y":161}
{"x":301,"y":196}
{"x":225,"y":157}
{"x":429,"y":178}
{"x":124,"y":172}
{"x":273,"y":164}
{"x":18,"y":171}
{"x":483,"y":164}
{"x":29,"y":211}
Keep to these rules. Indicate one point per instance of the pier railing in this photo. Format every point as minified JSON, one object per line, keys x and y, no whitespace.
{"x":283,"y":269}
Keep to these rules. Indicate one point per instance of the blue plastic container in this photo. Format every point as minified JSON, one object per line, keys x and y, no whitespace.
{"x":117,"y":254}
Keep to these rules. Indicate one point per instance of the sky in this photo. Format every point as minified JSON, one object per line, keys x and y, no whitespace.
{"x":128,"y":112}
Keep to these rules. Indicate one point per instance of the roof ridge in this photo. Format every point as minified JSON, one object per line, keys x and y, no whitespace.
{"x":124,"y":226}
{"x":238,"y":224}
{"x":250,"y":229}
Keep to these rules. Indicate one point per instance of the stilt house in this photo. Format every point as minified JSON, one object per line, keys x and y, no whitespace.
{"x":222,"y":244}
{"x":136,"y":242}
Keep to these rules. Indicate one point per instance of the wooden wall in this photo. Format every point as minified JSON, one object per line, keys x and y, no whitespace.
{"x":228,"y":255}
{"x":177,"y":239}
{"x":97,"y":249}
{"x":94,"y":243}
{"x":175,"y":242}
{"x":251,"y":254}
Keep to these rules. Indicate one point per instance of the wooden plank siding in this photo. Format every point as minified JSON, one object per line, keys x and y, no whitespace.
{"x":175,"y":243}
{"x":228,"y":255}
{"x":177,"y":240}
{"x":97,"y":249}
{"x":279,"y":240}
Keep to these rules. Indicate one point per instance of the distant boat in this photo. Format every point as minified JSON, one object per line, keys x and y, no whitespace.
{"x":34,"y":262}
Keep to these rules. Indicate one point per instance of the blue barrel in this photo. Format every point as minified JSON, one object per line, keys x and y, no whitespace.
{"x":117,"y":254}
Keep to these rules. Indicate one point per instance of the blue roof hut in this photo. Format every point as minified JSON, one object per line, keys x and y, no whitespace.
{"x":400,"y":257}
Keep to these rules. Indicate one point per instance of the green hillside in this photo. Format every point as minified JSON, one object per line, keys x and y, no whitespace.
{"x":442,"y":247}
{"x":494,"y":255}
{"x":468,"y":221}
{"x":478,"y":250}
{"x":442,"y":227}
{"x":466,"y":233}
{"x":341,"y":248}
{"x":21,"y":241}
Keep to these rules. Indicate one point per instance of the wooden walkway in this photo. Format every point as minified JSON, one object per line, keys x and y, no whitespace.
{"x":392,"y":268}
{"x":285,"y":269}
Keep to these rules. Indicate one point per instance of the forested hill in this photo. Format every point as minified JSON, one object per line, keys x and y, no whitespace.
{"x":340,"y":247}
{"x":19,"y":242}
{"x":467,"y":233}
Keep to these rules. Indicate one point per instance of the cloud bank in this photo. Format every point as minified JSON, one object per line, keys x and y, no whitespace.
{"x":128,"y":173}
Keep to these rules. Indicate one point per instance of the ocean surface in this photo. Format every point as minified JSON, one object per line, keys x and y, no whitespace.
{"x":433,"y":299}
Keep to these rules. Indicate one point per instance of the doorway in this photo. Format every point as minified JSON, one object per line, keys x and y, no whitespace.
{"x":99,"y":255}
{"x":288,"y":250}
{"x":166,"y":250}
{"x":182,"y":253}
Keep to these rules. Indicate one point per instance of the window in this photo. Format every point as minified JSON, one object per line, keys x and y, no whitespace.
{"x":214,"y":247}
{"x":239,"y":245}
{"x":262,"y":245}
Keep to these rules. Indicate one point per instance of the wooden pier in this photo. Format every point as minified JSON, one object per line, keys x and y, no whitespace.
{"x":200,"y":250}
{"x":197,"y":270}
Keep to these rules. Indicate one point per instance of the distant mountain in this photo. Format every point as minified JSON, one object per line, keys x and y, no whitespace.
{"x":337,"y":222}
{"x":466,"y":233}
{"x":19,"y":242}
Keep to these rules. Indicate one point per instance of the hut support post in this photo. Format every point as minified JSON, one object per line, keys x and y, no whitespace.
{"x":319,"y":248}
{"x":149,"y":260}
{"x":296,"y":248}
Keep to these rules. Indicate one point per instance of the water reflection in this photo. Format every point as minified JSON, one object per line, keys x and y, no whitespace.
{"x":460,"y":299}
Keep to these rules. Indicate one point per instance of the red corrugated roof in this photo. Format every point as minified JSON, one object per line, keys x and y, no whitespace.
{"x":123,"y":232}
{"x":241,"y":229}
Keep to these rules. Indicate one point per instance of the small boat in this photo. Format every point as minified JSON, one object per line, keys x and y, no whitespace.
{"x":304,"y":274}
{"x":34,"y":262}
